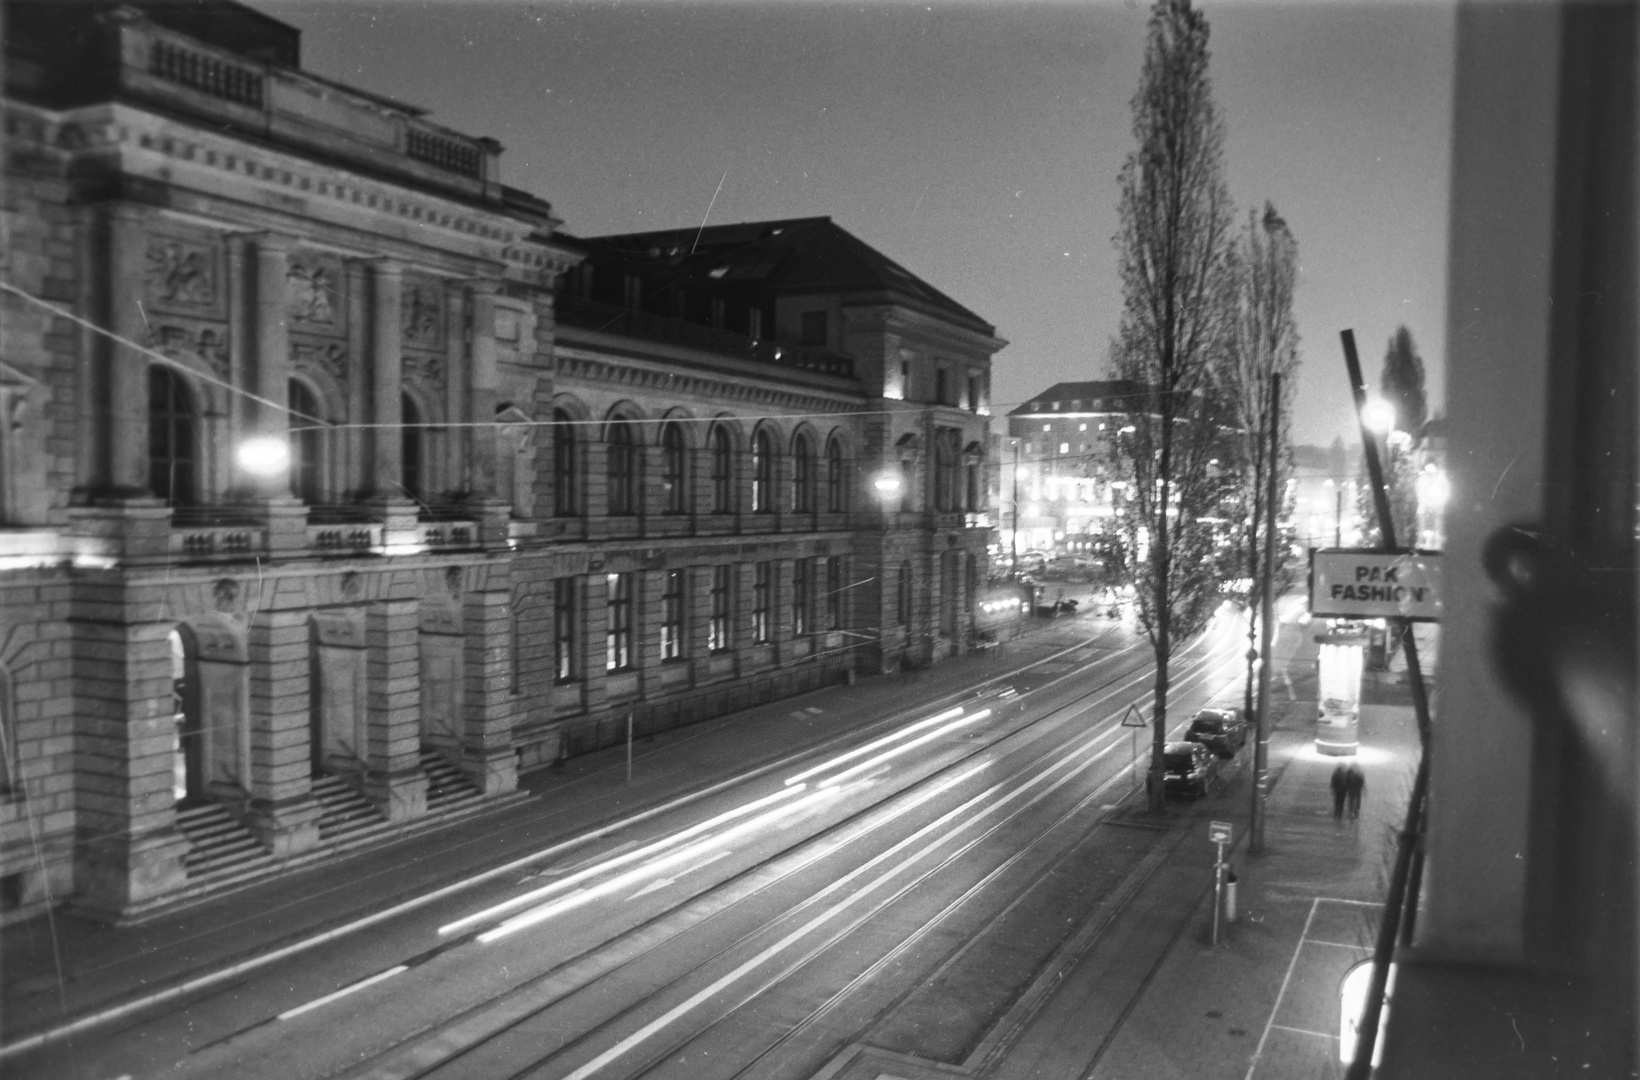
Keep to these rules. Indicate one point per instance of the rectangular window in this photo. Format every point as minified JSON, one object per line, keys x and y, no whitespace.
{"x":1064,"y":448}
{"x":802,"y":576}
{"x":618,"y":632}
{"x":942,"y":379}
{"x":672,"y":616}
{"x":564,"y":626}
{"x":973,"y":393}
{"x":905,"y":379}
{"x":717,"y":628}
{"x":813,"y":328}
{"x":754,"y":323}
{"x":634,"y":292}
{"x":718,"y":314}
{"x":834,"y":593}
{"x":763,"y":572}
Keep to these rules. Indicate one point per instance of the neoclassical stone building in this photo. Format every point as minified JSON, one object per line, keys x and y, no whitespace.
{"x":534,"y":485}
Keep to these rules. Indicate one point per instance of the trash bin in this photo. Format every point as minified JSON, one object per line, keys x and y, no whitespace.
{"x":1229,"y":896}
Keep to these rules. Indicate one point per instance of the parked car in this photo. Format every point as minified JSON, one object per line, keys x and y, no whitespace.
{"x":1223,"y":731}
{"x":1188,"y":768}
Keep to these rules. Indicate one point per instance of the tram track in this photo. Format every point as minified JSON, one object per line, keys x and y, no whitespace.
{"x":440,"y":1051}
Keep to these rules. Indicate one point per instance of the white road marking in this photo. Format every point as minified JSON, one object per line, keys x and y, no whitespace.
{"x":343,"y":992}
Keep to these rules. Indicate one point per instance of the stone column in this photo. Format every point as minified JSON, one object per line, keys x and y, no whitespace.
{"x":386,"y":381}
{"x":283,"y":810}
{"x":125,"y":468}
{"x":129,"y":852}
{"x":697,"y":618}
{"x":395,"y":782}
{"x":269,"y":378}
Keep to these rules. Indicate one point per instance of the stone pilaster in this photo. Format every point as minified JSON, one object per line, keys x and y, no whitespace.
{"x":487,"y":756}
{"x":394,"y":782}
{"x":130,"y":852}
{"x":283,"y":810}
{"x":595,"y":623}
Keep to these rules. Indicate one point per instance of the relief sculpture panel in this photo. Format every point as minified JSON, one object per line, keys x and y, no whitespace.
{"x":421,"y":310}
{"x":326,"y":357}
{"x":313,"y":284}
{"x":203,"y":346}
{"x":182,"y":276}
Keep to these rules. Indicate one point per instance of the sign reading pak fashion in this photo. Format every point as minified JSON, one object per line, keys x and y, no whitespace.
{"x":1366,"y":584}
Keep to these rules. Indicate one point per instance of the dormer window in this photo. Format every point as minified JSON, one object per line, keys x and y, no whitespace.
{"x":754,"y":323}
{"x":633,"y":295}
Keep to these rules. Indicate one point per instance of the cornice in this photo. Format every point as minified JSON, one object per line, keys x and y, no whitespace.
{"x":576,"y":365}
{"x":898,"y":319}
{"x":159,"y":148}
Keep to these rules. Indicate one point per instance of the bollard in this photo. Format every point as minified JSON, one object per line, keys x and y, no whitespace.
{"x":1229,"y":896}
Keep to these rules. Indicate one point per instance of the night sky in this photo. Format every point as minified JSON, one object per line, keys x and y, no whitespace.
{"x":978,"y":144}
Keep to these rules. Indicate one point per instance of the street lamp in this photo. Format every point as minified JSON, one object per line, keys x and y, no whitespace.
{"x":1379,"y":416}
{"x":264,"y":456}
{"x":887,"y":485}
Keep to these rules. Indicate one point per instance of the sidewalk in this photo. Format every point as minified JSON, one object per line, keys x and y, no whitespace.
{"x":1263,"y":1004}
{"x":63,"y":968}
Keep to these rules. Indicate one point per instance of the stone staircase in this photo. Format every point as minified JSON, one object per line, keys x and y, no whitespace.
{"x":219,"y":847}
{"x":222,"y":851}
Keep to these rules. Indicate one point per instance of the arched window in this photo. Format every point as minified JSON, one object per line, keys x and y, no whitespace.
{"x":565,"y":495}
{"x":414,"y":445}
{"x":836,"y":493}
{"x":674,"y":469}
{"x":622,"y":469}
{"x":307,"y":464}
{"x":722,"y":472}
{"x":762,"y":473}
{"x":802,"y":475}
{"x":171,"y":438}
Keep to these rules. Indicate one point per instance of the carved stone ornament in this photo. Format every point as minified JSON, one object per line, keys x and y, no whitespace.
{"x":201,"y":345}
{"x":426,"y":370}
{"x":329,"y":357}
{"x":422,"y":314}
{"x":313,"y":284}
{"x":352,"y":584}
{"x":226,"y":593}
{"x":180,"y":276}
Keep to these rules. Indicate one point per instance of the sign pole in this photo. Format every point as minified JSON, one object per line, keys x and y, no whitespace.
{"x":1134,"y":719}
{"x":1219,"y":833}
{"x":629,"y":747}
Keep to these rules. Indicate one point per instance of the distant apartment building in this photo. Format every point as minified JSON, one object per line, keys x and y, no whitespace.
{"x":338,"y":484}
{"x":1062,"y":491}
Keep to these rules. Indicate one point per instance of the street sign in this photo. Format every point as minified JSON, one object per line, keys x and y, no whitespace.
{"x":1218,"y":832}
{"x":1362,"y":584}
{"x":1134,"y":718}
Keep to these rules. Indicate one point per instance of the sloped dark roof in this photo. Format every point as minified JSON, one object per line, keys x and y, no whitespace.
{"x":1088,"y":392}
{"x":796,"y":255}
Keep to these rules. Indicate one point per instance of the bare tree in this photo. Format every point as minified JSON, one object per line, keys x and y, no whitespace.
{"x":1175,"y":224}
{"x":1263,"y":343}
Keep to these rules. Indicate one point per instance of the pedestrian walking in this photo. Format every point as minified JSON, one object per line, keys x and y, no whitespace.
{"x":1355,"y":782}
{"x":1339,"y":778}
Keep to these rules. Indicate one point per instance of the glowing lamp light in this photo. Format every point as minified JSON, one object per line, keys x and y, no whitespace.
{"x":887,"y":485}
{"x":264,"y":456}
{"x":1433,"y":488}
{"x":1379,"y":416}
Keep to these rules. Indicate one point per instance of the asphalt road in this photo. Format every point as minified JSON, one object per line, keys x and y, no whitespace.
{"x":902,"y":885}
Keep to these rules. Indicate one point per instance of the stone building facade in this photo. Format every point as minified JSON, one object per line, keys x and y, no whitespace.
{"x":508,"y":519}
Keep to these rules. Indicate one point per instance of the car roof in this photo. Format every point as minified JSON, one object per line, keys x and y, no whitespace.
{"x":1179,"y":747}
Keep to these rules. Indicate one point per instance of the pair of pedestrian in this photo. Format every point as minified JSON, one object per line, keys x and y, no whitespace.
{"x":1348,"y":782}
